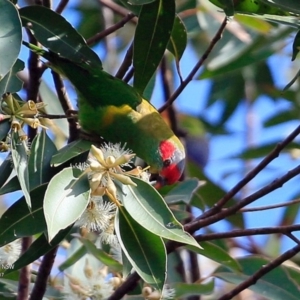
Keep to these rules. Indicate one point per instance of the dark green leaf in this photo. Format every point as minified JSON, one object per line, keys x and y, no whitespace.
{"x":71,"y":260}
{"x":286,"y":5}
{"x":41,"y":152}
{"x":5,"y":169}
{"x":141,"y":2}
{"x":187,"y":289}
{"x":217,"y":254}
{"x":20,"y":161}
{"x":228,"y":7}
{"x":61,"y":38}
{"x":137,"y":243}
{"x":282,"y":117}
{"x":70,"y":151}
{"x":178,"y":39}
{"x":38,"y":248}
{"x":11,"y":186}
{"x":148,"y":208}
{"x":4,"y":128}
{"x":11,"y":83}
{"x":10,"y":37}
{"x":19,"y":222}
{"x":151,"y":38}
{"x":102,"y":256}
{"x":183,"y":192}
{"x":66,"y":199}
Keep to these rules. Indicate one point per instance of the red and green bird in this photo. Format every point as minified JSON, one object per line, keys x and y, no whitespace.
{"x":114,"y":110}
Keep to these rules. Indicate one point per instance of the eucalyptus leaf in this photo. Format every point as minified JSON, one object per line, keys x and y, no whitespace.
{"x":102,"y":256}
{"x":137,"y":243}
{"x":184,"y":191}
{"x":6,"y":168}
{"x":70,"y":151}
{"x":193,"y":289}
{"x":10,"y":37}
{"x":11,"y":83}
{"x":152,"y":35}
{"x":11,"y":186}
{"x":41,"y":152}
{"x":20,"y":161}
{"x":148,"y":208}
{"x":61,"y":38}
{"x":66,"y":199}
{"x":72,"y":259}
{"x":37,"y":249}
{"x":17,"y":221}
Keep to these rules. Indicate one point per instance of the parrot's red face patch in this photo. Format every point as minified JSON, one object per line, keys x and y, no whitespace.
{"x":173,"y":162}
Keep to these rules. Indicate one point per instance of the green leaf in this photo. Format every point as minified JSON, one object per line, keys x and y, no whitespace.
{"x":151,"y":38}
{"x":275,"y":285}
{"x":183,"y":191}
{"x":72,"y":259}
{"x":4,"y":128}
{"x":20,"y":161}
{"x":282,"y":117}
{"x":70,"y":151}
{"x":296,"y":45}
{"x":217,"y":254}
{"x":61,"y":38}
{"x":286,"y":5}
{"x":18,"y":221}
{"x":137,"y":243}
{"x":148,"y":208}
{"x":178,"y":39}
{"x":11,"y":186}
{"x":141,"y":2}
{"x":102,"y":256}
{"x":192,"y":289}
{"x":10,"y":36}
{"x":11,"y":83}
{"x":228,"y":7}
{"x":41,"y":152}
{"x":5,"y":169}
{"x":37,"y":249}
{"x":66,"y":199}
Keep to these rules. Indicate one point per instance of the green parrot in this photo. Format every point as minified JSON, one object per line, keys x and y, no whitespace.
{"x":111,"y":108}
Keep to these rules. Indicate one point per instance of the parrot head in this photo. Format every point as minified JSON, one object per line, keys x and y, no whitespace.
{"x":173,"y":161}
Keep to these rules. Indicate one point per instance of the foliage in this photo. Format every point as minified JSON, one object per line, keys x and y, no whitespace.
{"x":121,"y":235}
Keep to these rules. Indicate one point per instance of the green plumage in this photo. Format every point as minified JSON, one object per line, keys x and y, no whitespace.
{"x":114,"y":110}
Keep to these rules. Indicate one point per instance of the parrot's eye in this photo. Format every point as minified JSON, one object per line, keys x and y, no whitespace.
{"x":167,"y":162}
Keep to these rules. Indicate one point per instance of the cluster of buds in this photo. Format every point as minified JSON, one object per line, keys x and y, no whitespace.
{"x":20,"y":113}
{"x":105,"y":166}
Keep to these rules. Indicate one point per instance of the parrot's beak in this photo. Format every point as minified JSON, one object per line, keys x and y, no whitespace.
{"x":175,"y":176}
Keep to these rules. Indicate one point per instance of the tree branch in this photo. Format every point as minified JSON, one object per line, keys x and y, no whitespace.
{"x":191,"y":75}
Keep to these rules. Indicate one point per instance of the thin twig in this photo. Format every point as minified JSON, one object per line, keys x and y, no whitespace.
{"x":99,"y":36}
{"x":261,"y":272}
{"x":268,"y":159}
{"x":247,"y":232}
{"x":261,"y":208}
{"x":116,"y":9}
{"x":191,"y":75}
{"x":61,"y":6}
{"x":199,"y":223}
{"x":126,"y":63}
